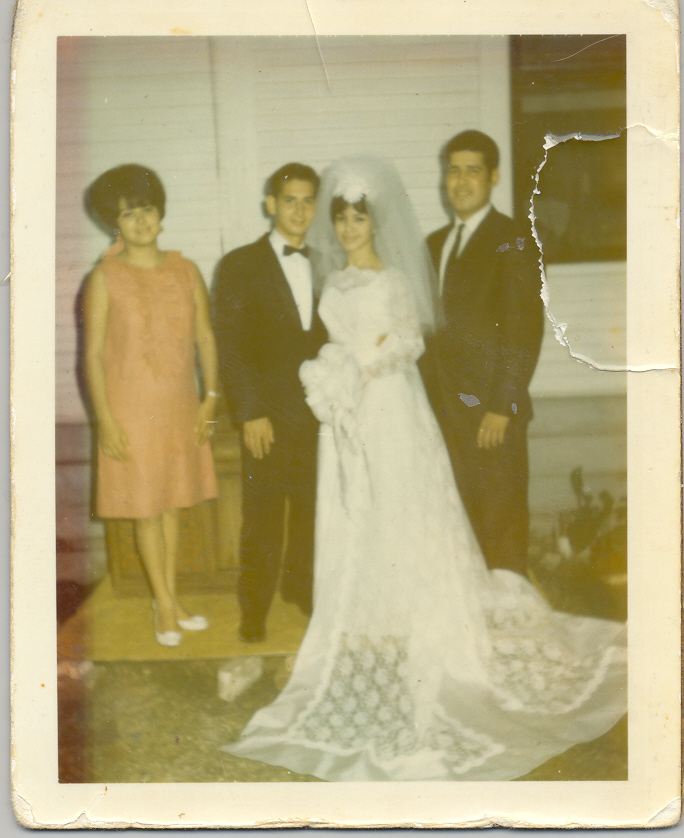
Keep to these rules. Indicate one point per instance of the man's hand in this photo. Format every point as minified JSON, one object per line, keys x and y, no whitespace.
{"x":492,"y":430}
{"x":258,"y":436}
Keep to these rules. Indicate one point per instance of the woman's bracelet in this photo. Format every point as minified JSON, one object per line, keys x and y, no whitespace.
{"x":213,"y":394}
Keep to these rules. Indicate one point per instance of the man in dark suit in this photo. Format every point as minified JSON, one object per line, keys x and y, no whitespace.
{"x":266,"y":326}
{"x":478,"y":365}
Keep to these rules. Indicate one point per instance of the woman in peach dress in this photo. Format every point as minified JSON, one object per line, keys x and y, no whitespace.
{"x":146,"y":317}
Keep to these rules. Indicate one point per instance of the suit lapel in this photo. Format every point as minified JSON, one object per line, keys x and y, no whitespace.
{"x":283,"y":298}
{"x":435,"y":244}
{"x":480,"y":236}
{"x":451,"y":267}
{"x":475,"y":259}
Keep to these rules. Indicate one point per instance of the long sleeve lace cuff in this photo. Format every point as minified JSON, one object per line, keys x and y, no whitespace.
{"x":396,"y":352}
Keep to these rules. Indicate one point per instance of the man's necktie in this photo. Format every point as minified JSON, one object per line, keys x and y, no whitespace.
{"x":450,"y":267}
{"x":303,"y":251}
{"x":457,"y":243}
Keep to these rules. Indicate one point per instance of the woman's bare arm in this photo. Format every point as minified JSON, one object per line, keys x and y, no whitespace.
{"x":111,"y":436}
{"x":206,"y":349}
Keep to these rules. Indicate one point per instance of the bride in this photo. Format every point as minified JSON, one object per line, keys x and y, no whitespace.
{"x":418,"y":663}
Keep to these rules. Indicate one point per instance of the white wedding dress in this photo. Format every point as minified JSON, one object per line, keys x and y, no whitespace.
{"x":418,"y":663}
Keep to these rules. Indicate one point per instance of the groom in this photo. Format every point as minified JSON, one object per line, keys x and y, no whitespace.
{"x":266,"y":326}
{"x":478,"y":365}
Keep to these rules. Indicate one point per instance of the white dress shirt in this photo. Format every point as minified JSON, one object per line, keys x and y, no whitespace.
{"x":469,"y":227}
{"x":297,"y":270}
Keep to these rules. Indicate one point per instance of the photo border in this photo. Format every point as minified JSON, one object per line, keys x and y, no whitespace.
{"x":653,"y":436}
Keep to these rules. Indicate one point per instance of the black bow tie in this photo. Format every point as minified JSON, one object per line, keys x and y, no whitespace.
{"x":303,"y":251}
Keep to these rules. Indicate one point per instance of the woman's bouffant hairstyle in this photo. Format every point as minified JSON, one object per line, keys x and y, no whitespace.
{"x":339,"y":204}
{"x":137,"y":185}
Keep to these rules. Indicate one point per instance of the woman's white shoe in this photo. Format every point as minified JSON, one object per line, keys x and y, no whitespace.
{"x":195,"y":623}
{"x":165,"y":638}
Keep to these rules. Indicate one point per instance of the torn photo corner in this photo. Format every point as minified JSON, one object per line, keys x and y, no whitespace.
{"x":133,"y":708}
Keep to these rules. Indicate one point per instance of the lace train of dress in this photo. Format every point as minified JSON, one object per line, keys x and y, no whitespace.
{"x":418,"y":663}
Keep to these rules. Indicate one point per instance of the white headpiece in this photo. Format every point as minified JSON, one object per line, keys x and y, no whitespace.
{"x":398,"y":240}
{"x":352,"y":187}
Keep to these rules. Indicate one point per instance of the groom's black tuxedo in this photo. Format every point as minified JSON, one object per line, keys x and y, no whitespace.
{"x":261,"y":345}
{"x":486,"y":350}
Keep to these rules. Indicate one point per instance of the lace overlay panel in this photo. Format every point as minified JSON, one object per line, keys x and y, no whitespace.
{"x":367,"y":704}
{"x":534,"y":670}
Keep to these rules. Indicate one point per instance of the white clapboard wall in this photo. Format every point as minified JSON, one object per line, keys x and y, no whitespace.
{"x":397,"y":98}
{"x":214,"y":117}
{"x":129,"y":100}
{"x":589,"y":301}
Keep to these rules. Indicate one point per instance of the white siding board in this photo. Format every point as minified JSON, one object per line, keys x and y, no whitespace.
{"x":590,"y":299}
{"x":410,"y":70}
{"x":353,"y":105}
{"x":374,"y":140}
{"x":128,"y":142}
{"x":373,"y":119}
{"x":122,"y":57}
{"x":353,"y":49}
{"x":177,"y":160}
{"x":161,"y":113}
{"x":429,"y":82}
{"x":115,"y":89}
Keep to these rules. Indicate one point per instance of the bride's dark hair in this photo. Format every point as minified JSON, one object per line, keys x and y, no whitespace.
{"x":374,"y":187}
{"x":339,"y":204}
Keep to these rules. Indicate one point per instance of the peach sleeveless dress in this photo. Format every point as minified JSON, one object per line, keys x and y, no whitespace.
{"x":149,"y":361}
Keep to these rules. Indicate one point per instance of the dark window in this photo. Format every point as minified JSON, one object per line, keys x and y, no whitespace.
{"x":562,"y":85}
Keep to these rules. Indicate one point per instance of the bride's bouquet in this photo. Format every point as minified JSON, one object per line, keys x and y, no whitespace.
{"x":333,"y":385}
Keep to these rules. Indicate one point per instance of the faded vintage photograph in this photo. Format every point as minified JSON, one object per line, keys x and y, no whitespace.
{"x":341,"y":458}
{"x":345,"y":415}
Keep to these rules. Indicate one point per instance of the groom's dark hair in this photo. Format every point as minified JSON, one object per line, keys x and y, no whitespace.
{"x":474,"y":141}
{"x":291,"y":171}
